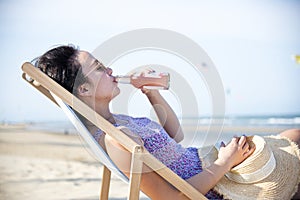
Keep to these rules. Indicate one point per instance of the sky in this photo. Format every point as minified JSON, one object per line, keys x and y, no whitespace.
{"x":250,"y":42}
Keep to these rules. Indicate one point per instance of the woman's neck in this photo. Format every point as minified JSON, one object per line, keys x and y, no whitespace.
{"x":103,"y":110}
{"x":106,"y":114}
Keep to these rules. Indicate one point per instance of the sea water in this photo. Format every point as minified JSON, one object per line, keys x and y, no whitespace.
{"x":207,"y":131}
{"x":59,"y":127}
{"x":200,"y":131}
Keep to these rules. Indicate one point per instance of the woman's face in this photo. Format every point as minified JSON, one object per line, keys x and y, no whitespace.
{"x":101,"y":84}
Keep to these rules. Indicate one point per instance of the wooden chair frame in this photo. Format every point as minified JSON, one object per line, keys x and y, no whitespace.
{"x":140,"y":155}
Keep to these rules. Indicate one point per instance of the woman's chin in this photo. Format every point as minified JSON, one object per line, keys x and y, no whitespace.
{"x":116,"y":92}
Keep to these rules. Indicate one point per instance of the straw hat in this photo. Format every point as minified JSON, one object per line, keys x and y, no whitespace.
{"x":271,"y":172}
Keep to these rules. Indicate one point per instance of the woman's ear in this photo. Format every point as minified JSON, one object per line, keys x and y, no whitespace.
{"x":84,"y":90}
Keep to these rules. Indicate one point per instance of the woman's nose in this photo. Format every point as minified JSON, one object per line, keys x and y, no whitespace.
{"x":109,"y":71}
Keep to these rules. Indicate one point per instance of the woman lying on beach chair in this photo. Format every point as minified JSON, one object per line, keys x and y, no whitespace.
{"x":271,"y":167}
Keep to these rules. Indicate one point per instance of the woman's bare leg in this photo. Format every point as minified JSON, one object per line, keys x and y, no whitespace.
{"x":294,"y":135}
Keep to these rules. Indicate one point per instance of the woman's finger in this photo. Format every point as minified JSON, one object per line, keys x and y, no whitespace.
{"x":235,"y":139}
{"x":246,"y":146}
{"x":249,"y":152}
{"x":242,"y":140}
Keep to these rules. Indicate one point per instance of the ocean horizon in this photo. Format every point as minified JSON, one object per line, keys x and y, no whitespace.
{"x":199,"y":131}
{"x":284,"y":121}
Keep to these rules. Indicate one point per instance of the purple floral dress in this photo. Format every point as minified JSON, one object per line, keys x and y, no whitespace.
{"x":184,"y":162}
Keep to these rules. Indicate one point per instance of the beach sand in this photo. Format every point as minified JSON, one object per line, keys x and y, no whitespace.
{"x":41,"y":165}
{"x":44,"y":165}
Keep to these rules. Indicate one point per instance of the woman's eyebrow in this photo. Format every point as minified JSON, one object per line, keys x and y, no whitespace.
{"x":92,"y":66}
{"x":96,"y":63}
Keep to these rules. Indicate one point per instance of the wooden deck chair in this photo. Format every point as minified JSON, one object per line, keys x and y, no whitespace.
{"x":140,"y":156}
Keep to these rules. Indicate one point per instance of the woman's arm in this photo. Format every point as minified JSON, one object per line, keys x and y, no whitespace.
{"x":229,"y":156}
{"x":152,"y":184}
{"x":158,"y":188}
{"x":165,"y":114}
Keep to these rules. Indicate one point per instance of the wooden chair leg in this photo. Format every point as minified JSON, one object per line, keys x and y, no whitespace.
{"x":104,"y":192}
{"x":135,"y":174}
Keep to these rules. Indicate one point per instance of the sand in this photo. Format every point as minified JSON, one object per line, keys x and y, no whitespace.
{"x":44,"y":165}
{"x":41,"y":165}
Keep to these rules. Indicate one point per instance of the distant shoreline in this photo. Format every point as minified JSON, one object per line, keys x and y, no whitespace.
{"x":245,"y":124}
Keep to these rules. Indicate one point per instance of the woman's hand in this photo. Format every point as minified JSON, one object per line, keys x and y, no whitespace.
{"x":166,"y":116}
{"x":144,"y":72}
{"x":229,"y":155}
{"x":149,"y":92}
{"x":235,"y":152}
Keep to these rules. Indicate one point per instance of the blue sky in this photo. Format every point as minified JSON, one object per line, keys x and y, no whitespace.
{"x":250,"y":42}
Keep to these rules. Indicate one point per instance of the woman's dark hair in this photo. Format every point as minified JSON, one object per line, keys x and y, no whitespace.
{"x":61,"y":65}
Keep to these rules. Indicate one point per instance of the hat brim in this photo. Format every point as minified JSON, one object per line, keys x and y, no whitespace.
{"x":282,"y":183}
